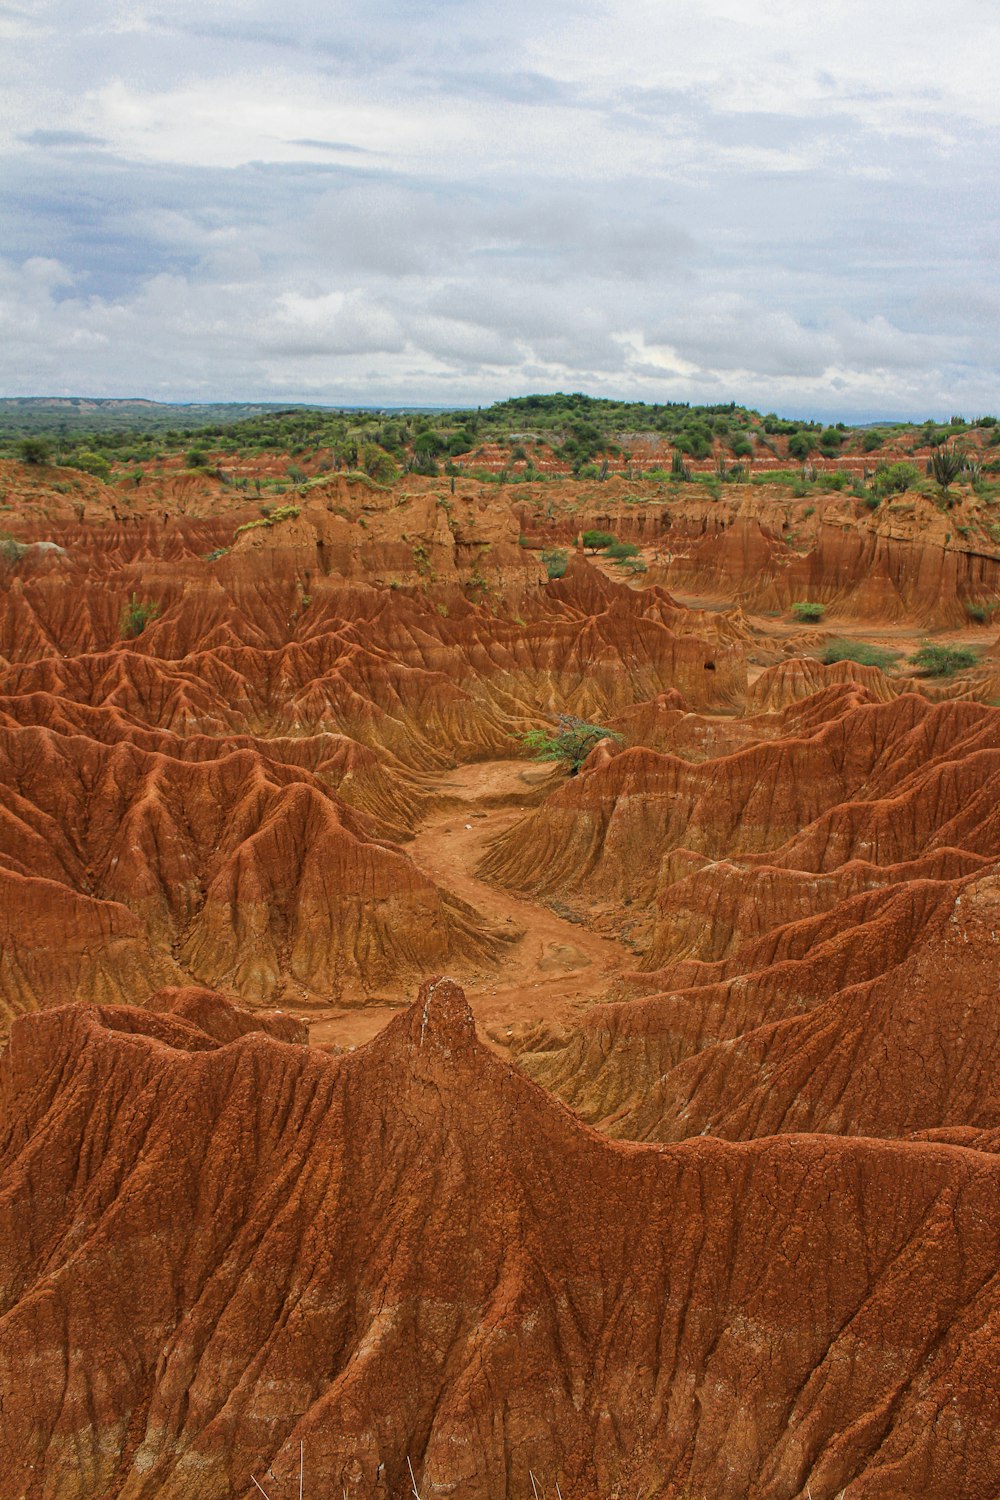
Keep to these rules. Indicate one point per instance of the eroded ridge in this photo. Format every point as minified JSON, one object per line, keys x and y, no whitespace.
{"x":216,"y":1249}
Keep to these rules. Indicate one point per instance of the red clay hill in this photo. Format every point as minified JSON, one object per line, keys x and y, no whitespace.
{"x":212,"y":1253}
{"x":695,"y":1196}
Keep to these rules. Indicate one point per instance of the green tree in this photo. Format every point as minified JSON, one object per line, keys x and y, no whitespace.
{"x":570,"y":740}
{"x":893,"y":479}
{"x":620,"y":551}
{"x":594,"y":541}
{"x":89,"y":462}
{"x":33,"y":450}
{"x":801,"y":444}
{"x":809,"y":611}
{"x":942,"y":661}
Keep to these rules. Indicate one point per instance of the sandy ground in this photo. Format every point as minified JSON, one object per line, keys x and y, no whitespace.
{"x":554,"y":970}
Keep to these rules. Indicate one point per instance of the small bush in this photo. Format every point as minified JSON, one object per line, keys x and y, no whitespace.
{"x":11,"y":550}
{"x":556,"y":561}
{"x":946,"y":465}
{"x":92,"y":463}
{"x":379,"y":465}
{"x":594,"y":541}
{"x":981,"y":613}
{"x":620,"y":551}
{"x":569,"y":741}
{"x":863,"y":652}
{"x":196,"y":459}
{"x":808,"y":611}
{"x":136,"y":615}
{"x":801,"y":444}
{"x":943,"y":661}
{"x":33,"y":450}
{"x":271,"y":517}
{"x":893,"y":479}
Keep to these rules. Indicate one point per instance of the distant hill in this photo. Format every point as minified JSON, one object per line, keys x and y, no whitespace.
{"x":21,"y":416}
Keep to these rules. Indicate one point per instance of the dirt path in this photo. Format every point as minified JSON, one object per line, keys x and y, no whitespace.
{"x":551,"y":973}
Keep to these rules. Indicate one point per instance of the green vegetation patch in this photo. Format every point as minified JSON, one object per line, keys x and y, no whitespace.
{"x":943,"y":661}
{"x":569,"y":741}
{"x":865,"y":653}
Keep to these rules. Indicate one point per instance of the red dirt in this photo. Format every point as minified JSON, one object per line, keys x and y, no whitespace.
{"x":414,"y":1252}
{"x":755,"y":942}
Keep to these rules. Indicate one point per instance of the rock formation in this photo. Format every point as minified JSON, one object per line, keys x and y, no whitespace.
{"x":212,"y":1253}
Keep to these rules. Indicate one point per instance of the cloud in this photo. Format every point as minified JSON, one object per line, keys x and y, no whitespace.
{"x":702,"y":200}
{"x":313,"y":145}
{"x":57,"y":138}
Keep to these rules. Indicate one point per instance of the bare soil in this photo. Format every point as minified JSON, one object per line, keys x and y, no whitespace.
{"x":554,"y":970}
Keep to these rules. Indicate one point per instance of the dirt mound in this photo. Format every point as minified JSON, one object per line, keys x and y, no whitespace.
{"x":883,"y":781}
{"x":798,"y":902}
{"x":238,"y":871}
{"x":762,"y":548}
{"x":211,"y":759}
{"x":414,"y":1253}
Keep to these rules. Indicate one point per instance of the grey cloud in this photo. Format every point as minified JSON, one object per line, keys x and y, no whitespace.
{"x":348,"y":146}
{"x":56,"y":138}
{"x":463,"y":265}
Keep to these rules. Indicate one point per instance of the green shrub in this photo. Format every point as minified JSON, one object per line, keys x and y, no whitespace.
{"x":33,"y":450}
{"x":270,"y":517}
{"x":569,"y":741}
{"x":620,"y":551}
{"x":893,"y":479}
{"x":943,"y":661}
{"x":379,"y":465}
{"x":863,"y":652}
{"x":777,"y":476}
{"x":801,"y":444}
{"x":11,"y":550}
{"x":946,"y":465}
{"x":556,"y":561}
{"x":594,"y":541}
{"x":196,"y":459}
{"x":136,"y":615}
{"x":91,"y":463}
{"x":981,"y":613}
{"x":808,"y":611}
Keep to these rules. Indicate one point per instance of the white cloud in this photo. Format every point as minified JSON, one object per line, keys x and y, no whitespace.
{"x":454,"y":201}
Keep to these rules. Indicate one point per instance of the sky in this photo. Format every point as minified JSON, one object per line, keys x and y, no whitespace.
{"x":796,"y":207}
